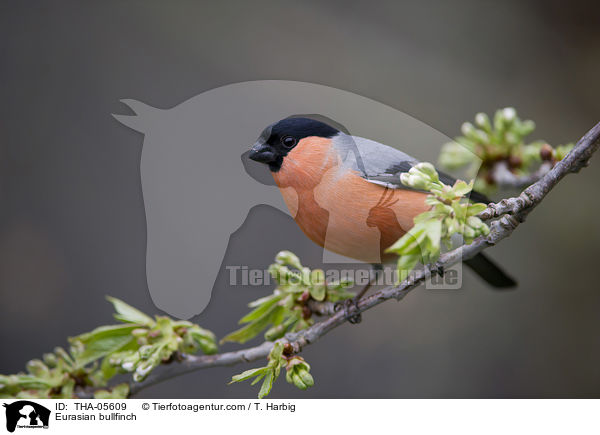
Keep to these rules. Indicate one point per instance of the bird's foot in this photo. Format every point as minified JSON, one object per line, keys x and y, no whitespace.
{"x":439,"y":269}
{"x":349,"y":305}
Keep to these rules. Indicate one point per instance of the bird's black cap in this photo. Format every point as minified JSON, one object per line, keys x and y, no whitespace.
{"x":271,"y":146}
{"x":300,"y":128}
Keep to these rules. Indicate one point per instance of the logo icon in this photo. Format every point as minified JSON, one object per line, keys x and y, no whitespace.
{"x":26,"y":414}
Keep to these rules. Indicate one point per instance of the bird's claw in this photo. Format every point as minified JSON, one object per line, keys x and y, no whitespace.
{"x":347,"y":305}
{"x":440,"y":270}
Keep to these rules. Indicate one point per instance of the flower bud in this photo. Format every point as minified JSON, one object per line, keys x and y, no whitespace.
{"x":509,"y":114}
{"x":483,"y":121}
{"x":304,"y":297}
{"x":527,"y":127}
{"x":288,"y":349}
{"x":306,"y":377}
{"x":297,"y":380}
{"x":546,"y":152}
{"x":415,"y":181}
{"x":306,"y":312}
{"x":427,"y":169}
{"x":50,"y":359}
{"x":288,"y":258}
{"x":145,"y":351}
{"x":469,"y":232}
{"x":143,"y":369}
{"x":128,"y":366}
{"x":139,"y":332}
{"x":37,"y":368}
{"x":514,"y":162}
{"x":467,"y":128}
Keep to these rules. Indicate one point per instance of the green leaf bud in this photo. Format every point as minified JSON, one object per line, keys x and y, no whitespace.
{"x":288,"y":258}
{"x":483,"y":121}
{"x":37,"y":368}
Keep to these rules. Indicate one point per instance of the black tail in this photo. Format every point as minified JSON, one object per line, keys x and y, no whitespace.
{"x":490,"y":272}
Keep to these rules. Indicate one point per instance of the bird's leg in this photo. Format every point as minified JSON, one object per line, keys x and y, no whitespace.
{"x":356,"y":318}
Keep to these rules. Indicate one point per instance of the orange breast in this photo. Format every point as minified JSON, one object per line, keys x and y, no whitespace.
{"x":338,"y":209}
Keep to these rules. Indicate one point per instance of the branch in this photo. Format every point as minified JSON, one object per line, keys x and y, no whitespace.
{"x":573,"y":162}
{"x":505,"y":179}
{"x":509,"y":214}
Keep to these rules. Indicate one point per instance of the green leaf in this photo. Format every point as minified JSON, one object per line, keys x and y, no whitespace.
{"x":205,"y":339}
{"x":249,"y":374}
{"x":67,"y":389}
{"x":434,"y":234}
{"x":427,"y":215}
{"x":101,"y":342}
{"x":475,"y":209}
{"x":267,"y":385}
{"x":410,"y":242}
{"x":126,"y":313}
{"x":261,"y":310}
{"x":32,"y":382}
{"x":276,"y":352}
{"x":318,"y":291}
{"x":107,"y":370}
{"x":251,"y":330}
{"x":38,"y":369}
{"x":406,"y":263}
{"x":259,"y":377}
{"x":120,"y":391}
{"x":461,"y":188}
{"x":261,"y":301}
{"x":275,"y":332}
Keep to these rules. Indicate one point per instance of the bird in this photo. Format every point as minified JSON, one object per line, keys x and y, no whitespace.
{"x":345,"y":193}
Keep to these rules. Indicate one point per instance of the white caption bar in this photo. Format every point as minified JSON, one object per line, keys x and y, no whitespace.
{"x":251,"y":416}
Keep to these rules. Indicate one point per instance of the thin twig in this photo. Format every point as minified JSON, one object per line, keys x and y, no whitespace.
{"x":505,"y":179}
{"x":508,"y":214}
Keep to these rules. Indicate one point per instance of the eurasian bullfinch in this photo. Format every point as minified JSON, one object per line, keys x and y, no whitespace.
{"x":345,"y":191}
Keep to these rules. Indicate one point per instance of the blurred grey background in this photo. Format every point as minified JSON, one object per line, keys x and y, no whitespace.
{"x":72,"y":225}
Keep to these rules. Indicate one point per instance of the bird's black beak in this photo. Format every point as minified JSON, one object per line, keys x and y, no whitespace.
{"x":262,"y":153}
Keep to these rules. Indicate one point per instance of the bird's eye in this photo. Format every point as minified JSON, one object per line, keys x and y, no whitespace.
{"x":288,"y":141}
